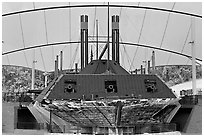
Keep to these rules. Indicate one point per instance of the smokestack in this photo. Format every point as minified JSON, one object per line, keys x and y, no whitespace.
{"x":61,"y":60}
{"x":55,"y":68}
{"x":117,"y":40}
{"x":82,"y":41}
{"x":141,"y":69}
{"x":96,"y":39}
{"x":86,"y":42}
{"x":153,"y":62}
{"x":45,"y":74}
{"x":144,"y":70}
{"x":76,"y":68}
{"x":148,"y":67}
{"x":113,"y":36}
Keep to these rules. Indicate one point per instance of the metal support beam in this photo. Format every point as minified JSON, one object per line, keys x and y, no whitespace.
{"x":96,"y":39}
{"x":108,"y":36}
{"x":123,"y":43}
{"x":193,"y":47}
{"x":57,"y":65}
{"x":102,"y":114}
{"x":153,"y":62}
{"x":33,"y":71}
{"x":141,"y":69}
{"x":76,"y":68}
{"x":61,"y":60}
{"x":98,"y":5}
{"x":103,"y":51}
{"x":118,"y":113}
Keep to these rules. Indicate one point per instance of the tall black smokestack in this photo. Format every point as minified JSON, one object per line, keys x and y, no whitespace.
{"x":76,"y":68}
{"x":61,"y":60}
{"x":55,"y":69}
{"x":57,"y":66}
{"x":153,"y":62}
{"x":113,"y":37}
{"x":82,"y":41}
{"x":141,"y":69}
{"x":117,"y":41}
{"x":148,"y":67}
{"x":86,"y":42}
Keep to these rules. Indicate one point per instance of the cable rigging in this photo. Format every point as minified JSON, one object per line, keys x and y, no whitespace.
{"x":46,"y":34}
{"x":186,"y":38}
{"x":166,"y":25}
{"x":94,"y":22}
{"x":8,"y":60}
{"x":165,"y":31}
{"x":34,"y":5}
{"x":138,"y":40}
{"x":128,"y":58}
{"x":40,"y":48}
{"x":75,"y":54}
{"x":183,"y":44}
{"x":23,"y":39}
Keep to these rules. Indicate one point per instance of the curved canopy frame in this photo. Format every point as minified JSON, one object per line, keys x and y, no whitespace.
{"x":120,"y":6}
{"x":99,"y":5}
{"x":75,"y":42}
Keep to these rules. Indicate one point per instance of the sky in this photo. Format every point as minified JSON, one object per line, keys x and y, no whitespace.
{"x":60,"y":25}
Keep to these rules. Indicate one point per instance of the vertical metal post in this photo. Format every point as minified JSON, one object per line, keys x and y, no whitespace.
{"x":45,"y":74}
{"x":76,"y":68}
{"x":141,"y":69}
{"x":108,"y":41}
{"x":153,"y":62}
{"x":108,"y":33}
{"x":57,"y":66}
{"x":193,"y":48}
{"x":33,"y":71}
{"x":61,"y":60}
{"x":96,"y":39}
{"x":144,"y":70}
